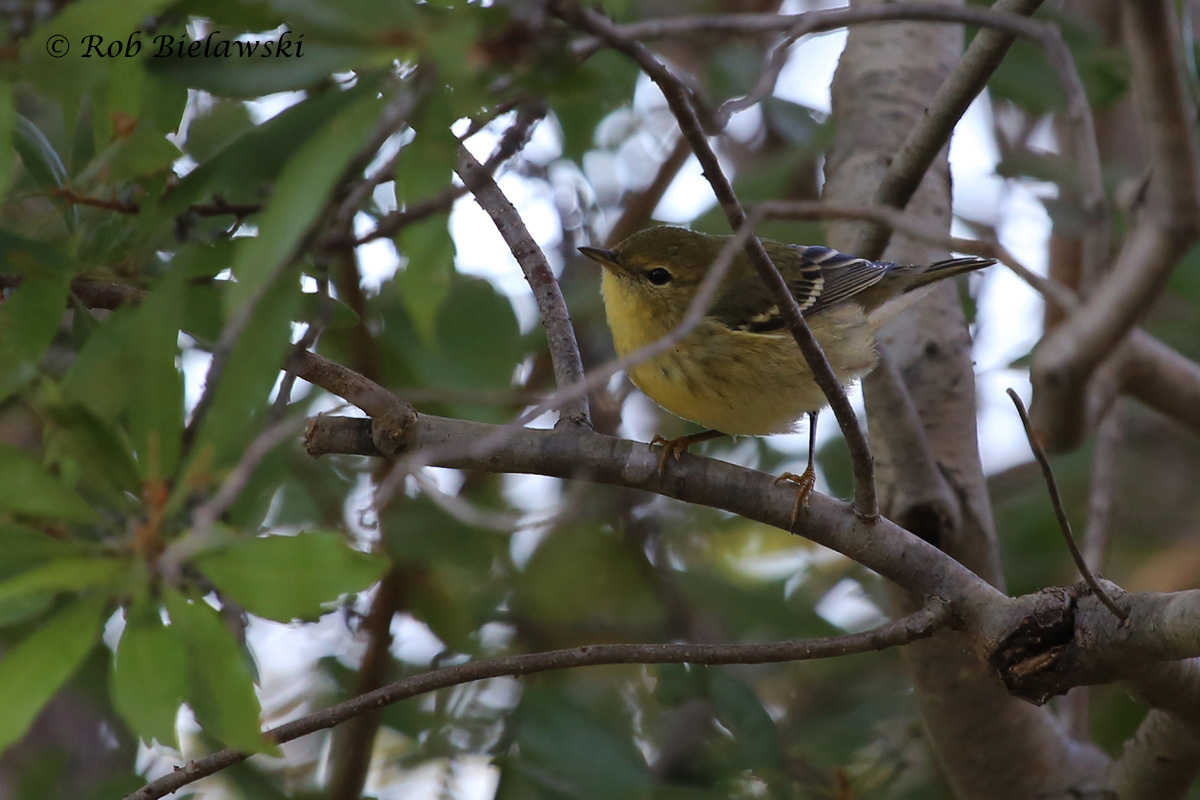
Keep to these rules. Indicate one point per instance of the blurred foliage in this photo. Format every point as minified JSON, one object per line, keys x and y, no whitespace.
{"x":212,"y":188}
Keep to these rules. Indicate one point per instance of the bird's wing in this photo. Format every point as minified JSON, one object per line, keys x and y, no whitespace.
{"x":845,"y":276}
{"x":820,"y":278}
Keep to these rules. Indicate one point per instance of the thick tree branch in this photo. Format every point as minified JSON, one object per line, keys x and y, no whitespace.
{"x":990,"y":746}
{"x":1068,"y":357}
{"x":1162,"y":760}
{"x":1042,"y":644}
{"x":902,"y":631}
{"x":890,"y":550}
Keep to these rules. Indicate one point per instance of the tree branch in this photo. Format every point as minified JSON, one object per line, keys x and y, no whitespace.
{"x":1162,"y":760}
{"x":1159,"y":763}
{"x":902,"y":631}
{"x":1067,"y":358}
{"x":564,"y":349}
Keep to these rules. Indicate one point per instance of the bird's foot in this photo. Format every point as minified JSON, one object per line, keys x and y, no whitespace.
{"x":805,"y":482}
{"x":671,"y":448}
{"x":680,"y":444}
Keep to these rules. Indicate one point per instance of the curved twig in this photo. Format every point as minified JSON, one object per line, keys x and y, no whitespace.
{"x":564,"y":349}
{"x":1060,"y":513}
{"x":919,"y":625}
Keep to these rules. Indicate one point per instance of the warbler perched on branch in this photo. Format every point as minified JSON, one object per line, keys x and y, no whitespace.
{"x":739,"y":371}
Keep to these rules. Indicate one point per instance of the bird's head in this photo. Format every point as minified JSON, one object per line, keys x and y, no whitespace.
{"x":657,"y":269}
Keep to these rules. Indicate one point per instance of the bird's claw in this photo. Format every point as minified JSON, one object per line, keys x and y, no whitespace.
{"x":805,"y":482}
{"x":671,"y":448}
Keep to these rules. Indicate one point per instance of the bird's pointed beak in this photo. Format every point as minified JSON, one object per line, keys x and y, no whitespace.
{"x":605,"y":258}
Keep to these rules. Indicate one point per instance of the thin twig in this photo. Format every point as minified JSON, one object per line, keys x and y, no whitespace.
{"x":115,"y":204}
{"x":916,"y":626}
{"x":512,"y":140}
{"x":679,"y":100}
{"x":1060,"y":513}
{"x":564,"y":349}
{"x":821,"y":21}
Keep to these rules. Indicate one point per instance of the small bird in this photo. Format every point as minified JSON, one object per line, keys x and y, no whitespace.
{"x":739,"y":372}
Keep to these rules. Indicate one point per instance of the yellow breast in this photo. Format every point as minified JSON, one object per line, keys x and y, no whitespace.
{"x":734,"y":381}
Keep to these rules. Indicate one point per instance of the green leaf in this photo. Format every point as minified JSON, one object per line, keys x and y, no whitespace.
{"x":219,"y":125}
{"x":142,"y":152}
{"x":578,"y":751}
{"x":426,"y":278}
{"x":31,"y":491}
{"x":24,"y":548}
{"x":255,"y":74}
{"x":156,"y":389}
{"x":28,"y":322}
{"x":291,"y":577}
{"x":583,"y":95}
{"x":220,"y":689}
{"x":34,"y":670}
{"x":141,"y":345}
{"x":38,"y":155}
{"x":30,"y":318}
{"x":337,"y":313}
{"x":149,"y":674}
{"x":301,"y":193}
{"x":71,"y":76}
{"x":740,"y":710}
{"x":237,"y":172}
{"x":102,"y":454}
{"x":478,"y":336}
{"x":250,"y":373}
{"x":581,"y":575}
{"x":8,"y":122}
{"x":61,"y":575}
{"x":426,"y":164}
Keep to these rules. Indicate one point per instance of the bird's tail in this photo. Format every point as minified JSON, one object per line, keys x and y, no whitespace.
{"x":916,"y":277}
{"x":940,"y":270}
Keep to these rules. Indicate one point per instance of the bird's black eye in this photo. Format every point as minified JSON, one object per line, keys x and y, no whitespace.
{"x":659,"y":276}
